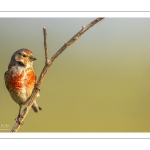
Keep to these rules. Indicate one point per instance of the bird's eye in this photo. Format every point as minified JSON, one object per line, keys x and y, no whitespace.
{"x":24,"y":55}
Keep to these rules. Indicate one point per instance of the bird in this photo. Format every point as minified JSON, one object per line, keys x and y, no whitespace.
{"x":20,"y":78}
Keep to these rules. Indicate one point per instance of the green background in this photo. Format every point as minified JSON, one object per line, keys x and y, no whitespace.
{"x":101,"y":83}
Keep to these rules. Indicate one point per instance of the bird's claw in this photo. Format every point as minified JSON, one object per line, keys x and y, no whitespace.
{"x":37,"y":87}
{"x":18,"y":120}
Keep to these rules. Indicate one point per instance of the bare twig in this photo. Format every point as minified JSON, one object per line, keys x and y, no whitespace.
{"x":46,"y":67}
{"x":75,"y":38}
{"x":45,"y":44}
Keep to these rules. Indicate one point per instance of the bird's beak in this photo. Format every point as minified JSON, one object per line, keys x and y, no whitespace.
{"x":32,"y":58}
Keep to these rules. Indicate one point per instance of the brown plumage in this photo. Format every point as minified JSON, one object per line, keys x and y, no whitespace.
{"x":20,"y":78}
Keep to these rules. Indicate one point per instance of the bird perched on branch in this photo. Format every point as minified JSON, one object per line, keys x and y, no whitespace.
{"x":20,"y":78}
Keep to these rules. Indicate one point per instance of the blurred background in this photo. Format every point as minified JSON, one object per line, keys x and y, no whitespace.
{"x":101,"y":83}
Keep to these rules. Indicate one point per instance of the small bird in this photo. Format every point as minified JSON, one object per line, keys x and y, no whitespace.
{"x":20,"y":78}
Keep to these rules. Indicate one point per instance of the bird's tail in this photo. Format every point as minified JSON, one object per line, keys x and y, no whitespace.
{"x":36,"y":107}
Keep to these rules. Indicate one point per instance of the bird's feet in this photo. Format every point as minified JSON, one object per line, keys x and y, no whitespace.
{"x":18,"y":120}
{"x":36,"y":87}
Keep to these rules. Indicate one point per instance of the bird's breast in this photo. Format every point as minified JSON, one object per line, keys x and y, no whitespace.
{"x":21,"y":79}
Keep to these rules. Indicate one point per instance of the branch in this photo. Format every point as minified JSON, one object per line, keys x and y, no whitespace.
{"x":48,"y":63}
{"x":45,"y":45}
{"x":75,"y":38}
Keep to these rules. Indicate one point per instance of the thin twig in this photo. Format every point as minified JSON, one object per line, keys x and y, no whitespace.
{"x":45,"y":44}
{"x":75,"y":38}
{"x":46,"y":67}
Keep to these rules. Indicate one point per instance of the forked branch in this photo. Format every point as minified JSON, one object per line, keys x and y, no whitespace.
{"x":48,"y":63}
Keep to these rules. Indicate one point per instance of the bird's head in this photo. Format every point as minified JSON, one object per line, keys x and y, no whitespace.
{"x":23,"y":57}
